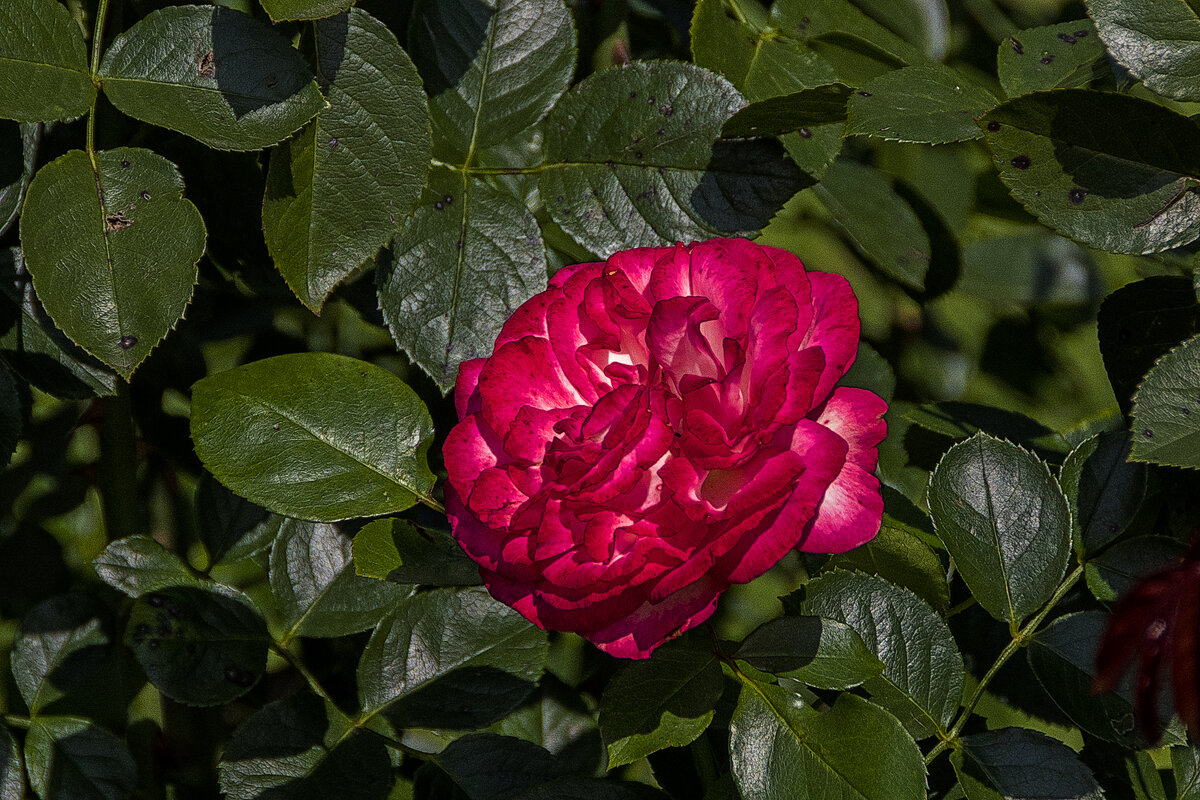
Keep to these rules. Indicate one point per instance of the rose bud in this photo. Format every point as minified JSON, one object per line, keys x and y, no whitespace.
{"x":652,"y":429}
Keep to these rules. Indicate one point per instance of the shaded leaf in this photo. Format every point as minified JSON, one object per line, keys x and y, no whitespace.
{"x":339,"y":189}
{"x":139,"y":564}
{"x":1020,"y":764}
{"x":922,"y":676}
{"x":1078,"y":160}
{"x":399,"y":551}
{"x":930,"y":103}
{"x":112,"y":250}
{"x":230,"y":527}
{"x":44,"y":73}
{"x":1166,"y":410}
{"x":880,"y":222}
{"x":1115,"y":571}
{"x":819,"y":105}
{"x":18,"y":157}
{"x":1155,"y":40}
{"x":302,"y":747}
{"x":820,"y":652}
{"x":450,"y":658}
{"x":60,"y":644}
{"x":490,"y":767}
{"x":900,"y":557}
{"x":871,"y":371}
{"x":1104,"y":489}
{"x":858,"y":47}
{"x":664,"y":701}
{"x":492,"y":68}
{"x":304,"y":9}
{"x":922,"y":23}
{"x":345,"y":438}
{"x":1141,"y":322}
{"x":782,"y":749}
{"x":1185,"y":761}
{"x":199,"y":647}
{"x":1029,"y":269}
{"x":12,"y":767}
{"x":34,"y":346}
{"x":1062,"y":56}
{"x":315,"y":586}
{"x":212,"y":73}
{"x":469,"y":257}
{"x":76,"y":758}
{"x":1006,"y":523}
{"x":645,"y":170}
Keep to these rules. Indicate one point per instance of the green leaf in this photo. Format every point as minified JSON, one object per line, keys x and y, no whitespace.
{"x":922,"y":23}
{"x":1079,"y":160}
{"x":491,"y":68}
{"x":1117,"y":569}
{"x":304,"y":9}
{"x":632,"y":160}
{"x":922,"y":676}
{"x":1063,"y":657}
{"x":1006,"y":523}
{"x":1029,"y":269}
{"x":18,"y":159}
{"x":1166,"y":410}
{"x":1139,"y":323}
{"x":820,"y":652}
{"x":231,"y":527}
{"x":557,"y":718}
{"x":399,"y":551}
{"x":1104,"y":489}
{"x":957,"y":420}
{"x":300,"y":747}
{"x":61,"y":643}
{"x":783,"y":749}
{"x":12,"y":769}
{"x":901,"y":558}
{"x":200,"y":648}
{"x":1155,"y":40}
{"x":217,"y":75}
{"x":112,"y":250}
{"x":1020,"y":764}
{"x":787,"y":113}
{"x":339,"y":189}
{"x":76,"y":758}
{"x":931,"y":103}
{"x":879,"y":221}
{"x":136,"y":565}
{"x":871,"y":371}
{"x":44,"y":72}
{"x":858,"y":47}
{"x":450,"y":658}
{"x":1064,"y":56}
{"x":1185,"y":761}
{"x":489,"y":767}
{"x":664,"y":701}
{"x":315,"y":587}
{"x":344,"y":438}
{"x":469,"y":257}
{"x":34,"y":346}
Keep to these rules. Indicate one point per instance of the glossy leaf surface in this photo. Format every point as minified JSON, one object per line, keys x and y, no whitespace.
{"x":44,"y":73}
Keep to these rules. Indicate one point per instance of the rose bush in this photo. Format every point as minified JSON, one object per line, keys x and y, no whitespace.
{"x":652,"y":429}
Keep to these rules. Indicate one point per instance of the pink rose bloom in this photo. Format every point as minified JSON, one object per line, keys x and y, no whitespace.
{"x":655,"y":428}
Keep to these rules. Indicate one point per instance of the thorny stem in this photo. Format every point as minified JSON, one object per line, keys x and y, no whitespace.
{"x":1020,"y":639}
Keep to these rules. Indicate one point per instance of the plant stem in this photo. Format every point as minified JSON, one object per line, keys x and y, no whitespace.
{"x":97,"y":48}
{"x":1020,"y":639}
{"x":298,"y":665}
{"x":17,"y":721}
{"x":118,"y":464}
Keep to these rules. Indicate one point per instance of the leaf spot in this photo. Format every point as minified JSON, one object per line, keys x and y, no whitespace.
{"x":865,"y":94}
{"x":144,"y":195}
{"x":448,"y":199}
{"x":1017,"y":47}
{"x":805,"y":133}
{"x":1047,"y":59}
{"x":126,"y":343}
{"x":1021,"y":162}
{"x":1076,"y":195}
{"x":333,"y":142}
{"x":1149,"y":434}
{"x":1067,"y":38}
{"x":207,"y":68}
{"x":116,"y":221}
{"x":439,"y":205}
{"x":993,"y":126}
{"x":124,"y":163}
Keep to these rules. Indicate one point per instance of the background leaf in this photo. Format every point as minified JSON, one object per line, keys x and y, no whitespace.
{"x":819,"y":652}
{"x":664,"y":701}
{"x":18,"y":158}
{"x":1077,"y":160}
{"x":12,"y":768}
{"x":217,"y":75}
{"x":646,"y":170}
{"x":1155,"y":40}
{"x":1006,"y":523}
{"x":1164,"y":431}
{"x":930,"y":103}
{"x":136,"y":565}
{"x":923,"y":672}
{"x":74,"y":757}
{"x":485,"y":766}
{"x":857,"y":46}
{"x":491,"y":68}
{"x":199,"y":647}
{"x":61,"y":642}
{"x":782,"y":748}
{"x":1062,"y":56}
{"x":1034,"y":268}
{"x":1116,"y":570}
{"x":468,"y":258}
{"x":303,"y":747}
{"x":44,"y":73}
{"x":112,"y":250}
{"x":1017,"y":763}
{"x":347,"y":438}
{"x":231,"y":527}
{"x":399,"y":551}
{"x":304,"y":9}
{"x":450,"y":658}
{"x":315,"y":586}
{"x":339,"y":189}
{"x":1104,"y":489}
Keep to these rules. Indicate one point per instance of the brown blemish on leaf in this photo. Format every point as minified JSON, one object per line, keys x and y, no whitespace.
{"x":116,"y":221}
{"x":207,"y":68}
